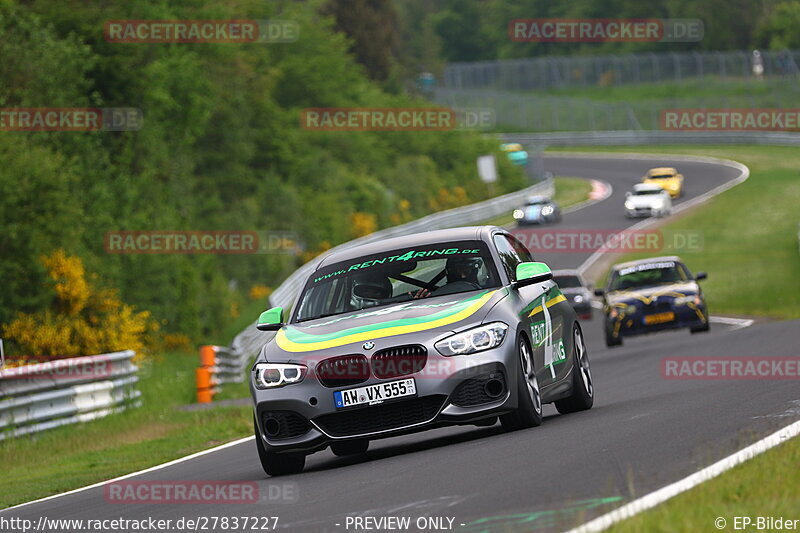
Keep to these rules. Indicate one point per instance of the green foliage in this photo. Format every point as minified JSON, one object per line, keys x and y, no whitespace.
{"x":221,"y":149}
{"x":434,"y":31}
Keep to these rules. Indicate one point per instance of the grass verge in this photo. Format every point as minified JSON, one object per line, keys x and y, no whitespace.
{"x":66,"y":458}
{"x":749,"y":233}
{"x":767,"y":485}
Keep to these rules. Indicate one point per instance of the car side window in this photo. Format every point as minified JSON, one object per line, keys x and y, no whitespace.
{"x":523,"y":253}
{"x":508,"y":255}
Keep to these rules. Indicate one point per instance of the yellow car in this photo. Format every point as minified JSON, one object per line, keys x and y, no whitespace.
{"x":667,"y":178}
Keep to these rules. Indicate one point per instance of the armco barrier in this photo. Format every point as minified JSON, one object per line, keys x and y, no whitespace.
{"x":251,"y":340}
{"x":639,"y":137}
{"x":41,"y":396}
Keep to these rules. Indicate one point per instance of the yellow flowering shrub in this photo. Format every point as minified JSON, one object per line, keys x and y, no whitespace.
{"x":362,"y":224}
{"x":81,"y":320}
{"x":260,"y":292}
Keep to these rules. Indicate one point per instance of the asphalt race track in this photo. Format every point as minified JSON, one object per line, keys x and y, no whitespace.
{"x":643,"y":433}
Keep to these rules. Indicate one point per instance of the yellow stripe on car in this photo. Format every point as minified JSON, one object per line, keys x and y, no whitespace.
{"x":550,"y":303}
{"x":290,"y":346}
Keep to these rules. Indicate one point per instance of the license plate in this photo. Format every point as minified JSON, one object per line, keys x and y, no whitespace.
{"x":374,"y":394}
{"x":659,"y":318}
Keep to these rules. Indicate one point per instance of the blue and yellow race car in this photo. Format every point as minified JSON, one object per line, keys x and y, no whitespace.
{"x":652,"y":295}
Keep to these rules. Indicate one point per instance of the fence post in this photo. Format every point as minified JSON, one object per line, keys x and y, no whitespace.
{"x":205,"y":379}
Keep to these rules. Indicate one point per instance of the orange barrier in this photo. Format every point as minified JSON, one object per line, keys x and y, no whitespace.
{"x":205,"y":380}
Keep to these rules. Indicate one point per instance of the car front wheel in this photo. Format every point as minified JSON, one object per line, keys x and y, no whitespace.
{"x":582,"y":397}
{"x":529,"y":399}
{"x":279,"y":464}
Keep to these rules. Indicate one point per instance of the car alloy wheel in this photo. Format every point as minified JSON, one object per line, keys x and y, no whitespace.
{"x":529,"y":375}
{"x":583,"y":362}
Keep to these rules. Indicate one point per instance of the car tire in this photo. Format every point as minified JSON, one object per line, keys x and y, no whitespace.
{"x":278,"y":464}
{"x":611,"y":340}
{"x":349,"y":447}
{"x":528,"y":413}
{"x":700,"y":329}
{"x":582,"y":397}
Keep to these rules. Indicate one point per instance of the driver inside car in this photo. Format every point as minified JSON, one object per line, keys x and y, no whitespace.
{"x":369,"y":289}
{"x":459,"y":270}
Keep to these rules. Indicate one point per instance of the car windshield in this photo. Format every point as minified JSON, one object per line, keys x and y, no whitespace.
{"x":646,"y":192}
{"x":647,"y":275}
{"x":567,"y":282}
{"x":396,"y":276}
{"x":661,"y":176}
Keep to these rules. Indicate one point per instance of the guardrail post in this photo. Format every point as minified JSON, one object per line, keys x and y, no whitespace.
{"x":205,"y":379}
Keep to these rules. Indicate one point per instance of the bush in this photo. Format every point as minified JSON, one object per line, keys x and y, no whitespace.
{"x":81,"y":320}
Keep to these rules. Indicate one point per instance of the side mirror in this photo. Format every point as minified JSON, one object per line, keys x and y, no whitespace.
{"x":627,"y":194}
{"x":270,"y":320}
{"x":599,"y":292}
{"x":531,"y":273}
{"x":700,"y":275}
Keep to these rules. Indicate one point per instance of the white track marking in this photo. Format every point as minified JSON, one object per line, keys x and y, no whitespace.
{"x":600,"y":191}
{"x":737,"y":323}
{"x":661,"y":495}
{"x":139,"y":473}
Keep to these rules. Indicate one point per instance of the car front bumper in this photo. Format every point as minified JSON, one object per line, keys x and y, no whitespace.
{"x":634,"y":324}
{"x":450,"y":391}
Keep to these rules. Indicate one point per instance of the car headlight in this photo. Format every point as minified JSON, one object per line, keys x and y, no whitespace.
{"x":474,"y":340}
{"x":629,"y":205}
{"x":689,"y":298}
{"x":578,"y":298}
{"x":517,"y":214}
{"x":273,"y":375}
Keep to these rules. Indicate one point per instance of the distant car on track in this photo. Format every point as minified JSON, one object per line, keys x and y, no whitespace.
{"x":577,"y":290}
{"x":667,"y":178}
{"x":516,"y":154}
{"x":537,"y":210}
{"x":647,"y":199}
{"x":652,"y":295}
{"x":448,"y":327}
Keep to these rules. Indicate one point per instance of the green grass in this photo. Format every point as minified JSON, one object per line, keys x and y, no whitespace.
{"x":750,"y":243}
{"x":767,"y":485}
{"x":569,"y":191}
{"x":74,"y":456}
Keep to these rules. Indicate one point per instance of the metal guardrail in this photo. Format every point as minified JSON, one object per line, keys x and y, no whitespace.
{"x":638,"y":137}
{"x":251,"y":340}
{"x":42,"y":396}
{"x":554,"y":72}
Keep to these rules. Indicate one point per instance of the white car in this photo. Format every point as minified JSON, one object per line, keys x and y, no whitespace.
{"x":647,"y":200}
